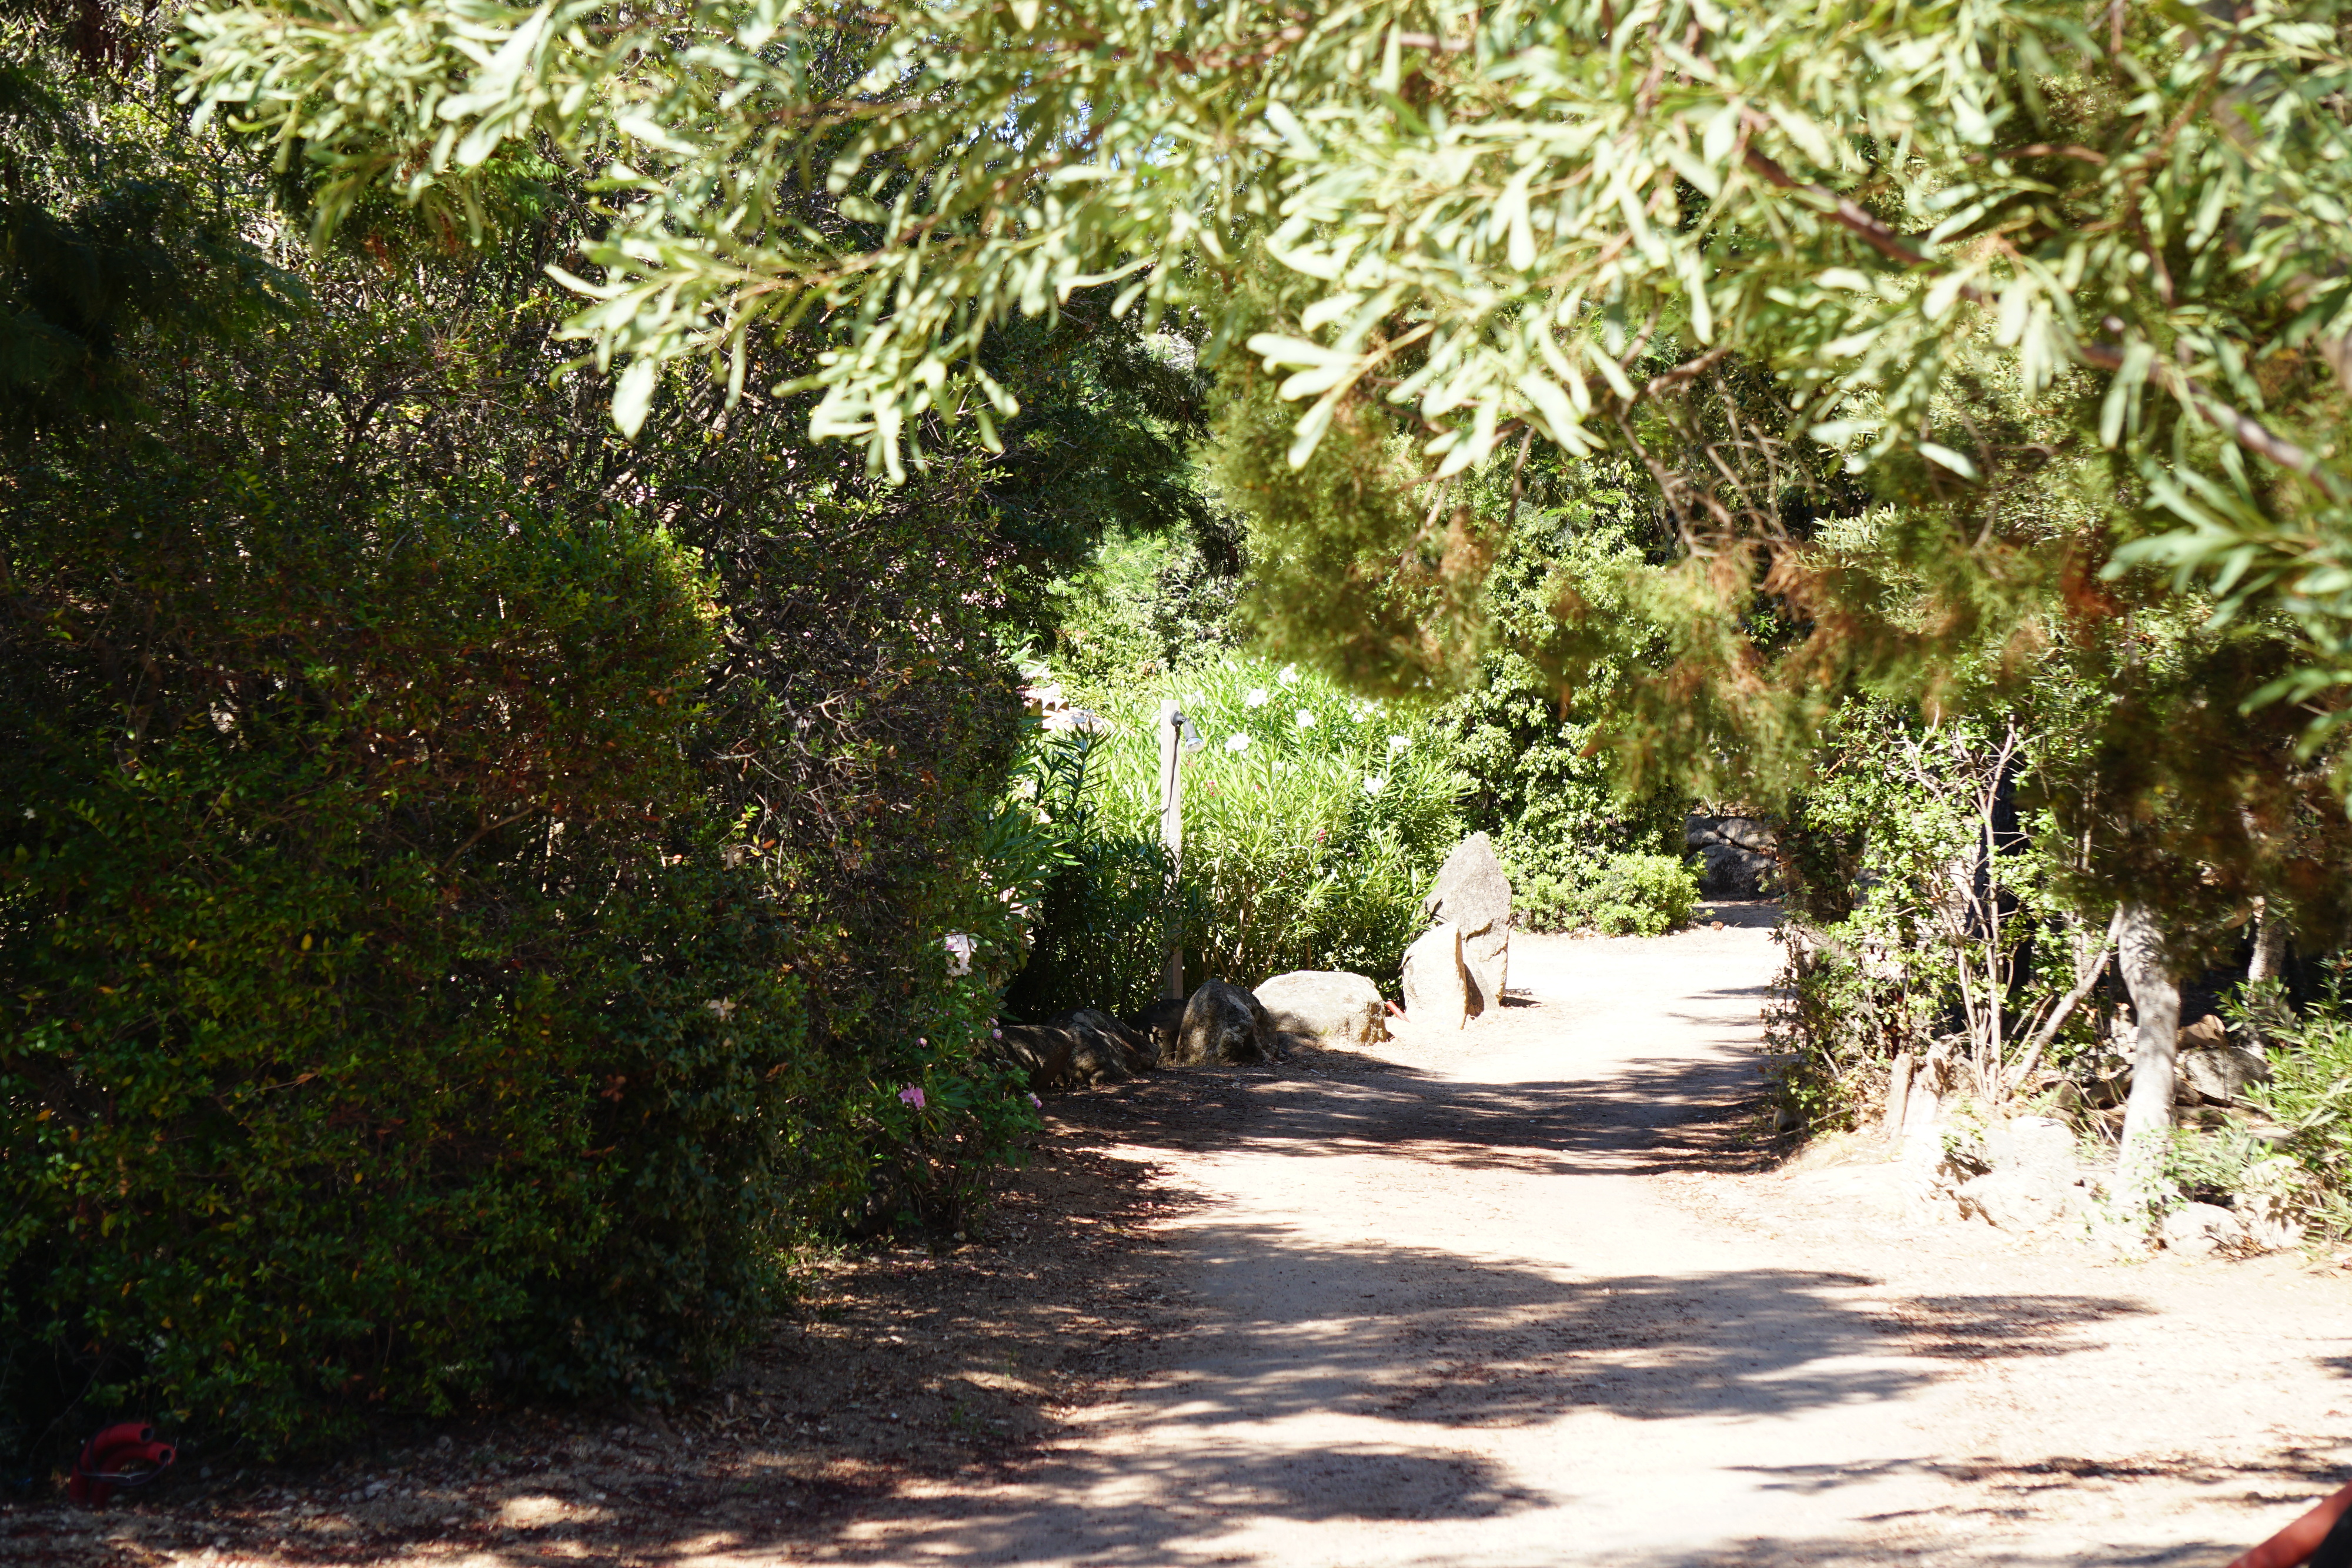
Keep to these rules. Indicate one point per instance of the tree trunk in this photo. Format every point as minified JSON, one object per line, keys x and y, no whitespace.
{"x":1899,"y":1097}
{"x":2269,"y":943}
{"x":2156,"y":1046}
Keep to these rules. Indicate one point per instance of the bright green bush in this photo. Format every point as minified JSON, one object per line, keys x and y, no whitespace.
{"x":1310,"y":842}
{"x":1108,"y":900}
{"x":1633,"y":894}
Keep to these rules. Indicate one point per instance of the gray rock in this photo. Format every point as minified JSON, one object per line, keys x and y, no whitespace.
{"x":1223,"y":1023}
{"x":1041,"y":1050}
{"x":2208,"y":1033}
{"x":2276,"y":1197}
{"x":1436,"y":987}
{"x":1158,"y":1023}
{"x":2201,"y":1230}
{"x":1119,"y":1049}
{"x":1474,"y":896}
{"x":2019,"y":1201}
{"x":2218,"y":1076}
{"x":1326,"y":1007}
{"x":2027,"y":1177}
{"x":1740,"y":856}
{"x":2041,"y":1143}
{"x":1078,"y":1048}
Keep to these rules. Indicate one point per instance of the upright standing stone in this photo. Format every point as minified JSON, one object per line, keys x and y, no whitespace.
{"x":1473,"y":893}
{"x":1436,"y":987}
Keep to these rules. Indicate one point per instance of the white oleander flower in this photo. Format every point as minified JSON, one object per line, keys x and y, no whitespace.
{"x":1237,"y":742}
{"x":1374,"y":784}
{"x":1256,"y":697}
{"x":1398,"y":743}
{"x":1306,"y":718}
{"x":1289,"y":676}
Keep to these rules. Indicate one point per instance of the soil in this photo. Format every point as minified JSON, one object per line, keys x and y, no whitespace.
{"x":1541,"y":1289}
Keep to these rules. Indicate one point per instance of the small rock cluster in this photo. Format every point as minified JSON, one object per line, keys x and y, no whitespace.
{"x":2028,"y":1174}
{"x":1219,"y":1022}
{"x":1454,"y":972}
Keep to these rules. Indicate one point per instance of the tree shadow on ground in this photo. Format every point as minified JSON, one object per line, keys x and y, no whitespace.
{"x":1643,"y":1117}
{"x":1426,"y":1336}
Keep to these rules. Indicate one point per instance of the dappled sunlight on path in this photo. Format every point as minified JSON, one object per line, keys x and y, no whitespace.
{"x":1539,"y":1290}
{"x":1471,"y":1301}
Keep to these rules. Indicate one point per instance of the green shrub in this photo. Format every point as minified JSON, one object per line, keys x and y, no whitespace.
{"x":1834,"y":1023}
{"x":329,"y":1048}
{"x":1632,"y":894}
{"x":1532,"y":732}
{"x":1307,"y":845}
{"x":1642,"y":895}
{"x":1108,"y":903}
{"x":2310,"y":1091}
{"x":391,"y":1005}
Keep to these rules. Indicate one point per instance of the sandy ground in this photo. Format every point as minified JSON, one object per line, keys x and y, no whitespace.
{"x":1530,"y":1292}
{"x":1514,"y":1303}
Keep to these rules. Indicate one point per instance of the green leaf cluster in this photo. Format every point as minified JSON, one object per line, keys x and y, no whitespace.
{"x":1492,"y":214}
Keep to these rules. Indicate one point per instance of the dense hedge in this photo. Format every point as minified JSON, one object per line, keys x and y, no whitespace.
{"x":317,"y":996}
{"x":453,"y":933}
{"x":399,"y":998}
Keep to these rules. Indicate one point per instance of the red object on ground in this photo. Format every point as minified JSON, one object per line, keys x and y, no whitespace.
{"x":124,"y":1455}
{"x":2298,"y":1542}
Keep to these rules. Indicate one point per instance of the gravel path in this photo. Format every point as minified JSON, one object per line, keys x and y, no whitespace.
{"x":1512,"y":1301}
{"x":1527,"y":1294}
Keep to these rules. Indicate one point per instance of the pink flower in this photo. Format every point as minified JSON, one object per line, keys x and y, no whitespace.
{"x":1035,"y":1101}
{"x":913,"y":1095}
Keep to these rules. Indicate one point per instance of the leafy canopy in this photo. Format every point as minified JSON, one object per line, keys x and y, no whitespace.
{"x":1499,"y":208}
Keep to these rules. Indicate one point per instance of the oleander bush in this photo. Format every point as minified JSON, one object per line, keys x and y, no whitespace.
{"x":1314,"y":821}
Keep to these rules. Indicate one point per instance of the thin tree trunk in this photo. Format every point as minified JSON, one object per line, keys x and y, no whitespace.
{"x":2085,"y":979}
{"x":2156,"y":1046}
{"x":2269,"y":943}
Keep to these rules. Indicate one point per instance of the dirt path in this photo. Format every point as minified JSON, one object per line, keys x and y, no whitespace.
{"x":1512,"y":1302}
{"x":1529,"y":1293}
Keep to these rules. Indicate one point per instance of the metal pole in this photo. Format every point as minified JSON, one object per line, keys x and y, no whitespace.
{"x":1171,"y":837}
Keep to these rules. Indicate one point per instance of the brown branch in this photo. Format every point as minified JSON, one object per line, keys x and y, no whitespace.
{"x":1872,"y":232}
{"x":1668,"y":380}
